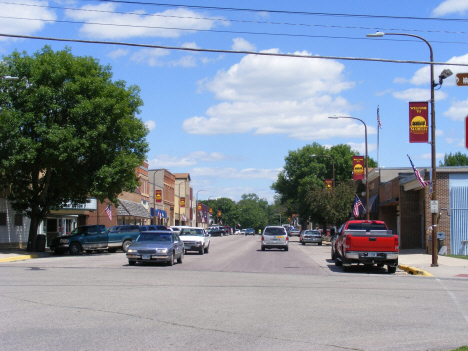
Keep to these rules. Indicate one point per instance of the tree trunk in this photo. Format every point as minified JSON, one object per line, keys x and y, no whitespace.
{"x":35,"y":220}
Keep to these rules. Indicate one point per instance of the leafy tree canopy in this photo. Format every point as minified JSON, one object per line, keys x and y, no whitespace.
{"x":67,"y":132}
{"x":457,"y":159}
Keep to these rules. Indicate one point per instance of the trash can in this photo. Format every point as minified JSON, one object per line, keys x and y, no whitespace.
{"x":40,"y":242}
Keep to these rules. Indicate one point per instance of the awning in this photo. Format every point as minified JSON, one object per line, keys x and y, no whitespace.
{"x":132,"y":209}
{"x":162,"y":212}
{"x":373,"y":205}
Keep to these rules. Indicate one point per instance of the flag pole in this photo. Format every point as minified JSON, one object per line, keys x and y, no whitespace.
{"x":378,"y":134}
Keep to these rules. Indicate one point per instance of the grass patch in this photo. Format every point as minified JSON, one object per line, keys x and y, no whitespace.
{"x":465,"y":257}
{"x":463,"y":348}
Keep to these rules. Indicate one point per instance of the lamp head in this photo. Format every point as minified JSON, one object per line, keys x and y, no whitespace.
{"x":334,"y":117}
{"x":376,"y":35}
{"x":444,"y":74}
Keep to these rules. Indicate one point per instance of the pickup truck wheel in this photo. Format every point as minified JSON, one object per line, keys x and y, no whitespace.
{"x":207,"y":249}
{"x":74,"y":249}
{"x":171,"y":260}
{"x":181,"y":258}
{"x":333,"y":256}
{"x":202,"y":251}
{"x":346,"y":268}
{"x":303,"y":243}
{"x":125,"y":245}
{"x":58,"y":252}
{"x":391,"y":269}
{"x":338,"y":263}
{"x":131,"y":263}
{"x":263,"y":248}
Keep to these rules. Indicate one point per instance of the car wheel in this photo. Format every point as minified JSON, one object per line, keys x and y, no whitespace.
{"x":320,"y":243}
{"x":112,"y":250}
{"x":181,"y":258}
{"x":171,"y":260}
{"x":338,"y":263}
{"x":286,"y":248}
{"x":89,"y":251}
{"x":74,"y":249}
{"x":333,"y":256}
{"x":58,"y":252}
{"x":391,"y":269}
{"x":303,"y":243}
{"x":125,"y":245}
{"x":207,"y":249}
{"x":263,"y":248}
{"x":131,"y":263}
{"x":346,"y":268}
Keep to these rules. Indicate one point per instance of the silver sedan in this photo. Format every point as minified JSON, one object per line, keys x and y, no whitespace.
{"x":312,"y":236}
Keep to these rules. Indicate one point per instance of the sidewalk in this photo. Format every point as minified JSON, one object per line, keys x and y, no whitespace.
{"x":10,"y":255}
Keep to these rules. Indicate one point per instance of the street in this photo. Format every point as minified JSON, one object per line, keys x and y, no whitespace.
{"x":234,"y":298}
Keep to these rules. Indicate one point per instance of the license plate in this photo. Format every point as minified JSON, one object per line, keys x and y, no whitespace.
{"x":280,"y":237}
{"x":146,"y":257}
{"x":371,"y":254}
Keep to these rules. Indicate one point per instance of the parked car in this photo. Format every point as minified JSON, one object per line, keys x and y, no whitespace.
{"x":368,"y":242}
{"x":293,"y":231}
{"x":237,"y":232}
{"x":195,"y":239}
{"x":156,"y":246}
{"x":216,"y":231}
{"x":124,"y":228}
{"x":300,"y":235}
{"x":311,"y":236}
{"x":145,"y":228}
{"x":275,"y":237}
{"x":249,"y":231}
{"x":177,"y":228}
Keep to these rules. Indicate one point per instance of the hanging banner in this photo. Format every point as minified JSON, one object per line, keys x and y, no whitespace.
{"x":418,"y":122}
{"x":329,"y":183}
{"x":182,"y":202}
{"x":199,"y":207}
{"x":219,"y":213}
{"x":358,"y":167}
{"x":158,"y":195}
{"x":210,"y":211}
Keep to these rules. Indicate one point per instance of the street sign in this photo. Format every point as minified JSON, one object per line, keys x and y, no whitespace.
{"x":462,"y":79}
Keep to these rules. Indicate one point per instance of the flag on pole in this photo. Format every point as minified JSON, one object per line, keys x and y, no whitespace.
{"x":357,"y":203}
{"x":378,"y":118}
{"x":184,"y":217}
{"x":109,"y":212}
{"x":238,"y":224}
{"x":159,"y":214}
{"x":420,"y":179}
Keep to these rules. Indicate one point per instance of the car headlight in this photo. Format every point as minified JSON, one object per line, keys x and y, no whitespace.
{"x":64,"y":241}
{"x":132,"y":251}
{"x":161,"y":251}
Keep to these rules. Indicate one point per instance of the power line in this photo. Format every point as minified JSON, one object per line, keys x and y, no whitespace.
{"x":281,"y":11}
{"x":219,"y":30}
{"x":237,"y":20}
{"x":243,"y":52}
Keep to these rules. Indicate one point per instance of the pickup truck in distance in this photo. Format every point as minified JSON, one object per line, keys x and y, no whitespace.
{"x":366,"y":242}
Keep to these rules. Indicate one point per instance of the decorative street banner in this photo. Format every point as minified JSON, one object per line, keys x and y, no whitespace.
{"x":158,"y":196}
{"x":211,"y":210}
{"x":182,"y":202}
{"x":329,"y":183}
{"x":199,"y":207}
{"x":219,"y":213}
{"x":418,"y":122}
{"x":358,"y":167}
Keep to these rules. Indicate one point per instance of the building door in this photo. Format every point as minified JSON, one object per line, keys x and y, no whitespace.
{"x":459,"y":220}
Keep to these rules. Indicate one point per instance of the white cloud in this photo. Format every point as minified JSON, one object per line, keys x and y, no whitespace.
{"x":451,"y":6}
{"x":462,"y":143}
{"x":361,"y":147}
{"x":149,"y":56}
{"x":421,"y":76}
{"x":428,"y":156}
{"x":167,"y":161}
{"x":186,"y":61}
{"x":138,"y":23}
{"x":191,"y":45}
{"x":450,"y":140}
{"x":25,"y":27}
{"x":439,"y":133}
{"x":278,"y":95}
{"x":150,"y":125}
{"x":240,"y":44}
{"x":458,"y":111}
{"x":233,"y":173}
{"x":118,"y":53}
{"x":418,"y":94}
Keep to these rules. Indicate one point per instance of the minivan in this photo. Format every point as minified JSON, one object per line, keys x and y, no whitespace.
{"x":275,"y":237}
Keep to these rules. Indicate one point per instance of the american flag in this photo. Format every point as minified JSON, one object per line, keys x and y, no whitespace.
{"x":159,"y":214}
{"x":357,"y":203}
{"x":109,"y":212}
{"x":184,"y":217}
{"x":378,"y":118}
{"x":420,"y":179}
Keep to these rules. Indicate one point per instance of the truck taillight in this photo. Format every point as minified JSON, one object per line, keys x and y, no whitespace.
{"x":395,"y":240}
{"x":348,"y":241}
{"x":262,"y":237}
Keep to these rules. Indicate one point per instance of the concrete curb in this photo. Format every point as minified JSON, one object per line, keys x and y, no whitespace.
{"x":414,"y":271}
{"x":18,"y":258}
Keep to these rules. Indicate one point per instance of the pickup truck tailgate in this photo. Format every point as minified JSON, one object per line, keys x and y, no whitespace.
{"x":373,"y":241}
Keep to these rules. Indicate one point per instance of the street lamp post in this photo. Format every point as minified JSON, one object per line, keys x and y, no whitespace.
{"x":367,"y":162}
{"x":333,"y":165}
{"x":443,"y":75}
{"x":154,"y":191}
{"x":279,"y":214}
{"x":196,"y":208}
{"x":180,"y":217}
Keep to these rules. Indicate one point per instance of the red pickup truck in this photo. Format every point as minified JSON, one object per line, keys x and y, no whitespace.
{"x":366,"y":242}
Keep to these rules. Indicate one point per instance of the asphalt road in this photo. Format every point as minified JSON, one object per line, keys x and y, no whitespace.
{"x":234,"y":298}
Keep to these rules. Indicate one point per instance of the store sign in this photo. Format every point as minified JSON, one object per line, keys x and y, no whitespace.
{"x":358,"y":167}
{"x":418,"y":122}
{"x":182,"y":202}
{"x":210,"y":211}
{"x":158,"y":195}
{"x":329,"y":183}
{"x":219,"y":213}
{"x":199,"y":207}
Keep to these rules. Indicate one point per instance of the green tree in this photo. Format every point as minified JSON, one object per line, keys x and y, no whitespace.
{"x":67,"y":132}
{"x":303,"y":172}
{"x":253,"y":212}
{"x":457,"y":159}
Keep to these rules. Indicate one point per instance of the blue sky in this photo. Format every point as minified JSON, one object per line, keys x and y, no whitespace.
{"x":230,"y":119}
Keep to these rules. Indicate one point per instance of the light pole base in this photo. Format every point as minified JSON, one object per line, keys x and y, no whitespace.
{"x":434,"y":265}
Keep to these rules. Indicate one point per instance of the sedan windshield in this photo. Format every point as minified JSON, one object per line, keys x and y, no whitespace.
{"x":314,"y":232}
{"x":196,"y":232}
{"x":155,"y":237}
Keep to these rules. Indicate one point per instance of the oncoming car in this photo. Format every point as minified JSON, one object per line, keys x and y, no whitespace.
{"x":156,"y":246}
{"x":275,"y":237}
